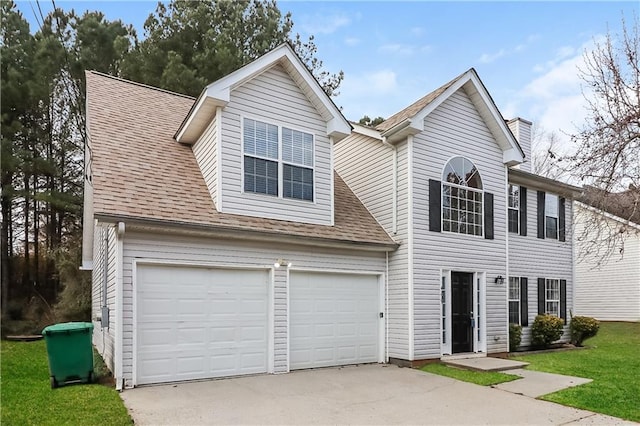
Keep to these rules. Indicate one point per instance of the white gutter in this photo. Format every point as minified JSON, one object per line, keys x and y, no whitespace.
{"x":386,"y":310}
{"x":119,"y":306}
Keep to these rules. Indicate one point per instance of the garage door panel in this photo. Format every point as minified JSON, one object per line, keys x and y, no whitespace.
{"x":195,"y":323}
{"x":333,"y":319}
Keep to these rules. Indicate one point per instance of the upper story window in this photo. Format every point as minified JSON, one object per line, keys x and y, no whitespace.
{"x":277,"y":160}
{"x":462,"y":197}
{"x":514,"y":209}
{"x":551,"y":216}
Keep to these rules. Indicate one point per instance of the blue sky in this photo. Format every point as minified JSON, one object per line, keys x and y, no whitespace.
{"x":393,"y":53}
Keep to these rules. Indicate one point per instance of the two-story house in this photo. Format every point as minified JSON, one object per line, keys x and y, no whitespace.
{"x":254,"y":230}
{"x":447,"y":178}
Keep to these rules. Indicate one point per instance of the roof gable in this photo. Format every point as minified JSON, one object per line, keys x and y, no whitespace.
{"x":410,"y":120}
{"x":218,"y":94}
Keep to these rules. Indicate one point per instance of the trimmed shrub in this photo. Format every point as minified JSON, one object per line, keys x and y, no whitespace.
{"x":545,"y":330}
{"x":583,"y":328}
{"x":515,"y":336}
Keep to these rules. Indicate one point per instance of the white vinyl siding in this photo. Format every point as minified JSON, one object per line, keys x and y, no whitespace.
{"x":535,"y":258}
{"x":612,"y":291}
{"x":456,"y":128}
{"x":354,"y":156}
{"x":216,"y":253}
{"x":205,"y":152}
{"x":273,"y":97}
{"x":104,"y":251}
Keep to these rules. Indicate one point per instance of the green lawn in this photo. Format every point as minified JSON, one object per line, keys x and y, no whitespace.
{"x":484,"y":378}
{"x":612,"y":361}
{"x":27,"y":397}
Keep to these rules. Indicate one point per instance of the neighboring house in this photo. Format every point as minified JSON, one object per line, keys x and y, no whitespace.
{"x":442,"y":176}
{"x":223,"y":243}
{"x":609,"y":290}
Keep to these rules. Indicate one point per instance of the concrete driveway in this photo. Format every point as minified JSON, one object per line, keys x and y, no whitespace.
{"x":367,"y":394}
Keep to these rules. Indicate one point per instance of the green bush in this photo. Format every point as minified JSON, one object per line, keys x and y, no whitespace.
{"x":583,"y":328}
{"x":546,"y":329}
{"x":515,"y":336}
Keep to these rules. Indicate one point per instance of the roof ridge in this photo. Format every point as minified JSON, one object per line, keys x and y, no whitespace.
{"x":146,"y":86}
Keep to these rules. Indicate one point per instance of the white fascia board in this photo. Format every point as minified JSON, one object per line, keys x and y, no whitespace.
{"x":511,"y":157}
{"x":338,"y":129}
{"x":491,"y":108}
{"x":367,"y":131}
{"x":418,"y":120}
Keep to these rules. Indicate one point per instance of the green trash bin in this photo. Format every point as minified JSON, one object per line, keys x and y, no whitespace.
{"x":70,"y":353}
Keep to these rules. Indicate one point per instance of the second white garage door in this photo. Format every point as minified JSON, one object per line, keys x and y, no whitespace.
{"x":196,"y":323}
{"x":334,"y":319}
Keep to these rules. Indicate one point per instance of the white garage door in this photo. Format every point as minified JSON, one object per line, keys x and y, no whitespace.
{"x":195,"y":323}
{"x":333,"y":319}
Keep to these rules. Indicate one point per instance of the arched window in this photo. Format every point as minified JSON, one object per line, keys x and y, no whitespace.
{"x":462,"y":197}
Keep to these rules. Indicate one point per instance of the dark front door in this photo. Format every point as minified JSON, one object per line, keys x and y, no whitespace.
{"x":461,"y":311}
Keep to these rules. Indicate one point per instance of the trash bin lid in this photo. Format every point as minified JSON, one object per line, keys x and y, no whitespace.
{"x":66,"y":327}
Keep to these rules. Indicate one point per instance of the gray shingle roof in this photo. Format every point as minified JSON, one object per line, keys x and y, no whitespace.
{"x":140,"y":171}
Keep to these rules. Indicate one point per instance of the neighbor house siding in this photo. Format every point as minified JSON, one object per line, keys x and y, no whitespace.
{"x":455,"y":128}
{"x":205,"y":152}
{"x":610,"y":292}
{"x":535,"y":258}
{"x":366,"y":165}
{"x":273,"y":97}
{"x":226,"y":253}
{"x":104,"y":251}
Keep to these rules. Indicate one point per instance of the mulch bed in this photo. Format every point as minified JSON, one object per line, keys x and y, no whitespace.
{"x":24,"y":338}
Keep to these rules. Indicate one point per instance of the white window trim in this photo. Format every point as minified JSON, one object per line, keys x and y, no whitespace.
{"x":468,"y":188}
{"x":481,"y":191}
{"x":279,"y":160}
{"x":556,"y":216}
{"x":547,"y":283}
{"x":516,"y":209}
{"x":519,"y":299}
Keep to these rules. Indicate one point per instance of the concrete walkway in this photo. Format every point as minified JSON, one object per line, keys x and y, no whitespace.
{"x":367,"y":394}
{"x":533,"y":383}
{"x":537,"y":383}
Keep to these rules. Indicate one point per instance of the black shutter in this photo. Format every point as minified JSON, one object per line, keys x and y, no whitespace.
{"x":488,"y":216}
{"x":435,"y":205}
{"x":523,"y":211}
{"x":541,"y":297}
{"x":524,"y":302}
{"x":561,"y":220}
{"x":563,"y":300}
{"x":541,"y":199}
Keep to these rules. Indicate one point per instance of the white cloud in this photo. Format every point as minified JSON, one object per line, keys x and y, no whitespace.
{"x":403,"y":49}
{"x":486,"y":58}
{"x":352,"y":41}
{"x":554,"y":99}
{"x":417,"y":31}
{"x":368,"y":93}
{"x":323,"y":24}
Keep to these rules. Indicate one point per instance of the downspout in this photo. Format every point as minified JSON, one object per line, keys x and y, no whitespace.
{"x":508,"y":272}
{"x":386,"y":310}
{"x":394,"y":204}
{"x":119,"y":305}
